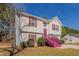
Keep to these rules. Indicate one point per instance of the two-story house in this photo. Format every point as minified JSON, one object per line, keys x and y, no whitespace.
{"x":32,"y":27}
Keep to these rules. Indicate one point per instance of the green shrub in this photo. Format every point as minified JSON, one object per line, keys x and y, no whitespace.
{"x":30,"y":43}
{"x":23,"y":45}
{"x":40,"y":41}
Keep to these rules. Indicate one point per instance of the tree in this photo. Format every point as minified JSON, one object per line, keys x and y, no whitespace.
{"x":67,"y":30}
{"x":7,"y":13}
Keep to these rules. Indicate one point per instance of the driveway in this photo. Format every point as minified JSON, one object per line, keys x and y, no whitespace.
{"x":69,"y":46}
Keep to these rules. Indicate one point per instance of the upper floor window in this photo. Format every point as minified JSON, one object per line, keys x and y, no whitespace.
{"x":55,"y":27}
{"x":44,"y":23}
{"x":33,"y":22}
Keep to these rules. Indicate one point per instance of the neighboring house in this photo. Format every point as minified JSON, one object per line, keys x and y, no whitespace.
{"x":3,"y":29}
{"x":33,"y":27}
{"x":3,"y":26}
{"x":71,"y":38}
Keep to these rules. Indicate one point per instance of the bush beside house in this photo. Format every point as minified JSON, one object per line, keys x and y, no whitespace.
{"x":40,"y":41}
{"x":23,"y":45}
{"x":30,"y":43}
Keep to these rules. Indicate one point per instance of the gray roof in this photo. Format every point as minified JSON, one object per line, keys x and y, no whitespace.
{"x":39,"y":18}
{"x":42,"y":19}
{"x":76,"y":35}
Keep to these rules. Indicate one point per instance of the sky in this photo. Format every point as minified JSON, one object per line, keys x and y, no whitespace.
{"x":68,"y":14}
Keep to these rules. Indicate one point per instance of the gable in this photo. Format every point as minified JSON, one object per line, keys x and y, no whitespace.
{"x":56,"y":20}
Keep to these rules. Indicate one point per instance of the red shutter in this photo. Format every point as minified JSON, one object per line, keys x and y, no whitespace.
{"x":52,"y":27}
{"x":29,"y":36}
{"x":35,"y":22}
{"x":35,"y":38}
{"x":29,"y":21}
{"x":35,"y":43}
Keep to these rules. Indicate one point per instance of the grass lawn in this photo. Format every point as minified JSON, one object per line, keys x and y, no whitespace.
{"x":48,"y":51}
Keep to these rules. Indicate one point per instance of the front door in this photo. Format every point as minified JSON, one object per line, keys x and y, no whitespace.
{"x":44,"y":32}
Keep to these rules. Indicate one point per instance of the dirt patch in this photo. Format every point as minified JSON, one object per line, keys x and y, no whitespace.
{"x":5,"y":44}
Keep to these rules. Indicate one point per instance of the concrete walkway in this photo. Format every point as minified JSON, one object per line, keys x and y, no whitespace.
{"x":69,"y":46}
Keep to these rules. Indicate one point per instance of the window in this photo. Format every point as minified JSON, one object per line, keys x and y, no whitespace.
{"x":70,"y":40}
{"x":44,"y":24}
{"x":33,"y":22}
{"x":66,"y":38}
{"x":55,"y":27}
{"x":32,"y":36}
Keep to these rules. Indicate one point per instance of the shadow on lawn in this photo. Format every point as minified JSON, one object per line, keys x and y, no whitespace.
{"x":12,"y":51}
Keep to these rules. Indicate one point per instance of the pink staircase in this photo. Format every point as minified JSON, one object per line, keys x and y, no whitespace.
{"x":52,"y":41}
